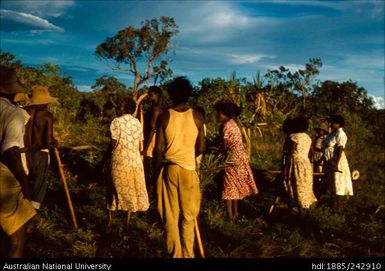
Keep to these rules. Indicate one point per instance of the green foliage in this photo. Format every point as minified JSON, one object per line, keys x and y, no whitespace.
{"x":83,"y":118}
{"x":149,"y":42}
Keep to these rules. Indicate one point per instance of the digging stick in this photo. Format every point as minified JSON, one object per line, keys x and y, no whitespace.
{"x":199,"y":240}
{"x":67,"y":192}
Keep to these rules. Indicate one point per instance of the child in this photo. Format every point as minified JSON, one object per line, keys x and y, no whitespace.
{"x":317,"y":158}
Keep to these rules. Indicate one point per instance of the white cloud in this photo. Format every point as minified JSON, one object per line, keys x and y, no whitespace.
{"x":379,"y":102}
{"x":86,"y":88}
{"x":211,"y":22}
{"x":239,"y":59}
{"x":16,"y":21}
{"x":366,"y":61}
{"x":52,"y":8}
{"x":291,"y":67}
{"x":373,"y":7}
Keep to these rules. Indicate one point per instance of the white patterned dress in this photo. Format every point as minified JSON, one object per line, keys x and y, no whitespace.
{"x":300,"y":179}
{"x":341,"y":181}
{"x":127,"y":167}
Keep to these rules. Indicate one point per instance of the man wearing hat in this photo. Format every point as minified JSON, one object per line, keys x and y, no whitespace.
{"x":38,"y":140}
{"x":322,"y":131}
{"x":15,"y":208}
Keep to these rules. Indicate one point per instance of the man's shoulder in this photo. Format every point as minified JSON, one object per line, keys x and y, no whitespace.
{"x":198,"y":115}
{"x":12,"y":113}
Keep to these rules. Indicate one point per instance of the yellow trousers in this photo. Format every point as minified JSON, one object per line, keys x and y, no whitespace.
{"x":15,"y":210}
{"x":179,"y":193}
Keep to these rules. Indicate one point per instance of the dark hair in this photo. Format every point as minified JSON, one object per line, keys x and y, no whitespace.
{"x":337,"y":119}
{"x":300,"y":124}
{"x":287,"y":126}
{"x":229,"y":109}
{"x":180,"y":90}
{"x":128,"y":104}
{"x":155,"y":89}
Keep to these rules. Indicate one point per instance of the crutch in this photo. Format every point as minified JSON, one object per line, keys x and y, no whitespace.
{"x":199,"y":240}
{"x":67,"y":192}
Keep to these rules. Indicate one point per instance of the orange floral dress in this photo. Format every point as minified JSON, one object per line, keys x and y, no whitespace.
{"x":238,"y":180}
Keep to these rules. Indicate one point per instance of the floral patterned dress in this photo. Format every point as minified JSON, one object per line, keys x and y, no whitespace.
{"x":127,"y":167}
{"x":300,"y":178}
{"x":238,"y":180}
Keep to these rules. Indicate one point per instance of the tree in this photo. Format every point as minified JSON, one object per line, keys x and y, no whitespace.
{"x":335,"y":98}
{"x":297,"y":82}
{"x":147,"y":44}
{"x":302,"y":79}
{"x":108,"y":85}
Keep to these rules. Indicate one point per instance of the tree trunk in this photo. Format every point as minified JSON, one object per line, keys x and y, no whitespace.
{"x":303,"y":98}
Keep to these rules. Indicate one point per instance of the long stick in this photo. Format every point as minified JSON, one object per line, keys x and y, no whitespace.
{"x":273,"y":205}
{"x":67,"y":192}
{"x":355,"y":174}
{"x":197,"y":233}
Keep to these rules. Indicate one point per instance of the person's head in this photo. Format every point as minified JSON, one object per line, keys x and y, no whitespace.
{"x":21,"y":99}
{"x":226,"y":111}
{"x":125,"y":105}
{"x":322,"y":129}
{"x":300,"y":124}
{"x":320,"y":132}
{"x":336,"y":122}
{"x":10,"y":84}
{"x":41,"y":97}
{"x":287,"y":126}
{"x":154,"y":93}
{"x":179,"y":90}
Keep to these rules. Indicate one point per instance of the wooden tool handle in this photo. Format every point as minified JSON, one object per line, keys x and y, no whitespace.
{"x":67,"y":192}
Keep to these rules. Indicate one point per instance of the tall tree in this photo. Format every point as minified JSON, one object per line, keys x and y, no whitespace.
{"x":146,"y":44}
{"x":108,"y":85}
{"x":298,"y":82}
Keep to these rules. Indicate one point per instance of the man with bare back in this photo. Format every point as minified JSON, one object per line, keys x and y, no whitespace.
{"x":38,"y":139}
{"x":152,"y":115}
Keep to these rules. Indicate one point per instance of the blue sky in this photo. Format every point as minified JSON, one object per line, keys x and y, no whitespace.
{"x":216,"y":37}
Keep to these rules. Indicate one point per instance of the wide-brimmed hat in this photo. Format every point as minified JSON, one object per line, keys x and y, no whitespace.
{"x":322,"y":126}
{"x":40,"y":95}
{"x":21,"y":97}
{"x":9,"y":83}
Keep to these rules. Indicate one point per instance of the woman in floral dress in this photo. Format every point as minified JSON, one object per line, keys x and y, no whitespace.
{"x":238,"y":181}
{"x":128,"y":182}
{"x":299,"y":171}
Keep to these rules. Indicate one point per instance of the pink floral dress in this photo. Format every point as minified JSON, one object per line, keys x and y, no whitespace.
{"x":238,"y":180}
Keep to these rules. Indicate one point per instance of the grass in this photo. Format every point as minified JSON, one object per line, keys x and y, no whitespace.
{"x":359,"y":231}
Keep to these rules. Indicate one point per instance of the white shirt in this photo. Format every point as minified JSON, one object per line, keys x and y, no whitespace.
{"x":335,"y":139}
{"x":12,"y":127}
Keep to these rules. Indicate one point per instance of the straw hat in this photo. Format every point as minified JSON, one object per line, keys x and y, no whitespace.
{"x":323,"y":126}
{"x":21,"y":97}
{"x":40,"y":95}
{"x":9,"y":83}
